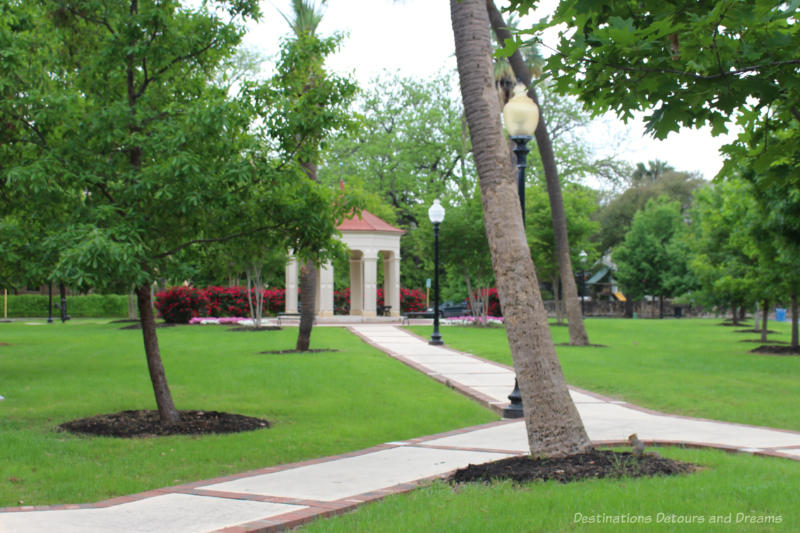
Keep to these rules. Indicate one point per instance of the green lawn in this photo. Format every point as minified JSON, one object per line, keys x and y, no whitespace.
{"x":737,"y":486}
{"x":319,"y":404}
{"x":692,"y":367}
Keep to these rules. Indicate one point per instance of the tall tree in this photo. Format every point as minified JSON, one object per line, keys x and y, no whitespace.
{"x":316,"y":102}
{"x":577,"y":329}
{"x":552,"y":421}
{"x":144,"y":157}
{"x":616,"y":215}
{"x":652,"y":259}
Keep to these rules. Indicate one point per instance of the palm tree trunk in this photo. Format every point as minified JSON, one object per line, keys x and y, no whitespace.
{"x":577,"y":329}
{"x":552,"y":421}
{"x":166,"y":408}
{"x":308,"y":289}
{"x":308,"y":285}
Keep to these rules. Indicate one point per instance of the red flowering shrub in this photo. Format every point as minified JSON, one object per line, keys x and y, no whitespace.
{"x":494,"y":302}
{"x":341,"y":302}
{"x":412,"y":300}
{"x":178,"y":305}
{"x":227,"y":301}
{"x":275,"y":300}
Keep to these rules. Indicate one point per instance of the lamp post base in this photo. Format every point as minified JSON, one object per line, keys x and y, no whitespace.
{"x":514,"y":409}
{"x":436,"y":340}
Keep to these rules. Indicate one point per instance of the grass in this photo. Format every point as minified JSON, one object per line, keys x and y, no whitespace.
{"x":692,"y":367}
{"x":319,"y":404}
{"x":735,"y":486}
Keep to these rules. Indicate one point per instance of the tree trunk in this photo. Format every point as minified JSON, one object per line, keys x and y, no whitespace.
{"x":735,"y":315}
{"x":166,"y":409}
{"x":764,"y":321}
{"x":794,"y":320}
{"x":552,"y":421}
{"x":308,"y":284}
{"x":661,"y":306}
{"x":577,"y":329}
{"x":557,"y":302}
{"x":308,"y":289}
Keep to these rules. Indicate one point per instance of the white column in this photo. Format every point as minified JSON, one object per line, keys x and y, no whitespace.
{"x":391,"y":283}
{"x":356,"y":283}
{"x":291,"y":284}
{"x":324,"y":298}
{"x":370,"y":283}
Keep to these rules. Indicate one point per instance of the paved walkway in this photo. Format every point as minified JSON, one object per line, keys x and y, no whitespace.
{"x":285,"y":496}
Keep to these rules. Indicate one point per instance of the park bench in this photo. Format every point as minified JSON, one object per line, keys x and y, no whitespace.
{"x":287,"y":315}
{"x":416,"y":314}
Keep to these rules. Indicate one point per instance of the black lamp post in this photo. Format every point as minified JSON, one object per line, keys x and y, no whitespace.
{"x":521,"y":115}
{"x":583,"y":256}
{"x":436,"y":216}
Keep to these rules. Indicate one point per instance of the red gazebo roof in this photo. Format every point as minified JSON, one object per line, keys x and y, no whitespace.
{"x":366,"y":221}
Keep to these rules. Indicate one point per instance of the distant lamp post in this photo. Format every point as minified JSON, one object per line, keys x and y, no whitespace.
{"x":583,"y":255}
{"x":521,"y":116}
{"x":436,"y":216}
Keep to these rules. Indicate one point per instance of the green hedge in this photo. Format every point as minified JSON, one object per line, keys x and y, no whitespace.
{"x":87,"y":305}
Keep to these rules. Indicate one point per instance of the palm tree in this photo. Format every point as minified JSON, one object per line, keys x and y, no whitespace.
{"x":651,"y":172}
{"x":577,"y":329}
{"x":553,"y":425}
{"x":304,"y":21}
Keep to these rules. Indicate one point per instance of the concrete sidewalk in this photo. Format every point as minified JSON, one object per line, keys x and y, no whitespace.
{"x":285,"y":496}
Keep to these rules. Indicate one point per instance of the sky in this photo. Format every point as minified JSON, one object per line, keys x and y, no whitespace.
{"x":415,"y":39}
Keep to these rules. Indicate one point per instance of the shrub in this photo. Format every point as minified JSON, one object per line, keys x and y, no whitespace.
{"x":341,"y":302}
{"x":494,"y":302}
{"x":275,"y":300}
{"x":226,"y":301}
{"x":79,"y":305}
{"x":178,"y":305}
{"x":412,"y":300}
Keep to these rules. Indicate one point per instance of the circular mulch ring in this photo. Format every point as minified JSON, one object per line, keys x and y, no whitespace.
{"x":592,"y":465}
{"x":125,"y":321}
{"x":582,"y":345}
{"x":732,"y":325}
{"x":138,"y":325}
{"x":282,"y":352}
{"x":142,"y":423}
{"x":251,"y":328}
{"x":769,"y":331}
{"x":760,"y":341}
{"x":768,"y":349}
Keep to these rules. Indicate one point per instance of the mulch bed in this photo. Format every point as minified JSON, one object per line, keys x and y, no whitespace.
{"x":128,"y":424}
{"x":769,"y":331}
{"x":251,"y":328}
{"x":759,"y":340}
{"x":138,"y":325}
{"x":281,"y":352}
{"x":124,"y":321}
{"x":768,"y":349}
{"x":592,"y":465}
{"x":582,"y":345}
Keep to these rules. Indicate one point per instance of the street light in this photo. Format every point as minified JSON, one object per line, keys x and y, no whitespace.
{"x":583,"y":256}
{"x":436,"y":216}
{"x":521,"y":116}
